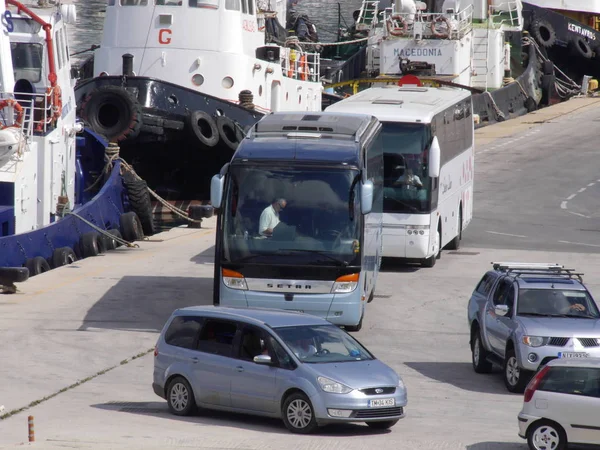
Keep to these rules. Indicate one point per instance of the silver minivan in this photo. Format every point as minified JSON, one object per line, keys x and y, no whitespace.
{"x":283,"y":364}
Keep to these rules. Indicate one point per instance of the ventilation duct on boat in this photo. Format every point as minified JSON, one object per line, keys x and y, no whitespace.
{"x":128,"y":65}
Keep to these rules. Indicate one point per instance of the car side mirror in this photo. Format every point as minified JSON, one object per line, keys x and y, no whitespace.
{"x":501,"y":310}
{"x":366,"y":197}
{"x":216,"y":190}
{"x":434,"y":158}
{"x":263,"y":359}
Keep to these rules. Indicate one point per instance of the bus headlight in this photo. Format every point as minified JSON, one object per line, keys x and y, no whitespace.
{"x":345,"y":284}
{"x":234,"y":280}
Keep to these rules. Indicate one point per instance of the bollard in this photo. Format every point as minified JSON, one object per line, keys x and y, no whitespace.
{"x":31,"y":430}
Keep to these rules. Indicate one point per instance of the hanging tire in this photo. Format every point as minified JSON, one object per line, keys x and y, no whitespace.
{"x":543,"y":33}
{"x":37,"y":265}
{"x":229,"y":132}
{"x":139,"y":201}
{"x":63,"y":256}
{"x":131,"y":227}
{"x":113,"y":112}
{"x":109,"y":242}
{"x":89,"y":245}
{"x":10,"y":275}
{"x":581,"y":48}
{"x":204,"y":128}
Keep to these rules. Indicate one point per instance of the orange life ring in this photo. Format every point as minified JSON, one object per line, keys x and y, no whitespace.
{"x":397,"y":25}
{"x":437,"y":20}
{"x":56,"y":102}
{"x":303,"y":67}
{"x":17,"y":107}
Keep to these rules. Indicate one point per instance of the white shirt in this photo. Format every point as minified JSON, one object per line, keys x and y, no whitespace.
{"x":269,"y":218}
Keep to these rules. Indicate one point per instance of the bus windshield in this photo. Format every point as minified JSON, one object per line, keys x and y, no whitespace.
{"x":292,"y":215}
{"x":407,"y":186}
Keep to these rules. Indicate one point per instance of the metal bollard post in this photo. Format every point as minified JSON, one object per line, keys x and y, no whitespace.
{"x":31,"y":430}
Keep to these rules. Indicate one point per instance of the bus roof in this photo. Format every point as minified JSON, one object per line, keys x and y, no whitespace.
{"x":307,"y":136}
{"x":401,"y":104}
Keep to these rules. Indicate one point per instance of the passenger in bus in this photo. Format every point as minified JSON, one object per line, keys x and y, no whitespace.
{"x":406,"y":177}
{"x":269,"y":218}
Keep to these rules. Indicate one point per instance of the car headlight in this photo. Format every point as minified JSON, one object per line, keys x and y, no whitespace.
{"x":333,"y":387}
{"x":234,"y":280}
{"x":401,"y":384}
{"x":345,"y":284}
{"x":534,"y":341}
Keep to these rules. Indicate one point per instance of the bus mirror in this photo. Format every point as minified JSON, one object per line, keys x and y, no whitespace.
{"x":434,"y":158}
{"x":216,"y":190}
{"x":366,"y":197}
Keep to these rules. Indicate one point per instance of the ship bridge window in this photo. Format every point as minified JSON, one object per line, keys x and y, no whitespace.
{"x":25,"y":25}
{"x":248,"y":6}
{"x":211,"y":4}
{"x":134,"y":2}
{"x":168,"y":2}
{"x":233,"y":5}
{"x":27,"y":61}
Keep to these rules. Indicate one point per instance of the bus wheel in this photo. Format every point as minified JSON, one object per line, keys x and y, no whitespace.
{"x":454,"y":244}
{"x":430,"y":262}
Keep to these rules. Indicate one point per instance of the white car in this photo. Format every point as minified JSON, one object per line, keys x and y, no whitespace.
{"x":561,"y":405}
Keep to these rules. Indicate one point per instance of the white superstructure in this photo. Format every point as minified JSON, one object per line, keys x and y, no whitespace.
{"x":215,"y":47}
{"x":37,"y":117}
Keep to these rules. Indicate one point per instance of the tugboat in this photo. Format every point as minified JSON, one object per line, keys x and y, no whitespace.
{"x":62,"y":194}
{"x":569,"y":36}
{"x":476,"y":45}
{"x":178,"y":83}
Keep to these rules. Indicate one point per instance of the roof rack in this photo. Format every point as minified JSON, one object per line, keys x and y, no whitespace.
{"x":536,"y":269}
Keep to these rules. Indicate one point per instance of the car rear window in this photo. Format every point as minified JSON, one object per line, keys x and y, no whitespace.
{"x":572,"y":380}
{"x":486,"y":284}
{"x":183,"y":330}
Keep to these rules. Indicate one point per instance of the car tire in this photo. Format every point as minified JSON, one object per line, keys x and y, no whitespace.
{"x":298,"y":414}
{"x":180,"y":397}
{"x":515,"y":378}
{"x":382,"y":425}
{"x":545,"y":434}
{"x":479,"y":355}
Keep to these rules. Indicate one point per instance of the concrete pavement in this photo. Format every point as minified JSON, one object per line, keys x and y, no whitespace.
{"x":75,"y":322}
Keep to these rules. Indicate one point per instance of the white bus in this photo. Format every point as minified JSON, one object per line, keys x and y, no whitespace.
{"x":428,"y":142}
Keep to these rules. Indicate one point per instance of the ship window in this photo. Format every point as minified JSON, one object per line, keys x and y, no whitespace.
{"x":59,"y":55}
{"x":211,"y":4}
{"x":66,"y":44}
{"x":251,"y":7}
{"x":244,"y":6}
{"x":168,"y":2}
{"x":27,"y":61}
{"x":233,"y":5}
{"x":134,"y":2}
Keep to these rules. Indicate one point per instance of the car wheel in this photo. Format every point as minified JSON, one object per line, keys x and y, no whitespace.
{"x":479,"y":355}
{"x":382,"y":425}
{"x":180,"y":397}
{"x":298,"y":414}
{"x":546,"y":435}
{"x":515,"y":378}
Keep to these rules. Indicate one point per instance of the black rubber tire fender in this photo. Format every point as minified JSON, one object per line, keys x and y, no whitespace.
{"x":113,"y":112}
{"x":37,"y":265}
{"x":543,"y":32}
{"x":580,"y":47}
{"x":109,"y":242}
{"x":229,"y":132}
{"x":140,"y":202}
{"x":89,"y":244}
{"x":9,"y":275}
{"x":204,"y":128}
{"x":63,"y":256}
{"x":131,"y":227}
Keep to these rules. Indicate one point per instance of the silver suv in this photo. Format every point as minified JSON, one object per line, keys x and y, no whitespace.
{"x":293,"y":366}
{"x":522,"y":315}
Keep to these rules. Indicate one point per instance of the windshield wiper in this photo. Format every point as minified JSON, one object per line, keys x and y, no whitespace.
{"x":403,"y":204}
{"x":341,"y":262}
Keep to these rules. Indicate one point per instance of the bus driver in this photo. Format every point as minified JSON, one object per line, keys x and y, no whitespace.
{"x":269,"y":218}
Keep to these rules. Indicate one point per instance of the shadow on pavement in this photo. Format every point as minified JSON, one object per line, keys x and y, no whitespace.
{"x":227,"y":419}
{"x":145,"y":303}
{"x":205,"y":257}
{"x":497,"y":446}
{"x":398,"y":265}
{"x":461,"y":375}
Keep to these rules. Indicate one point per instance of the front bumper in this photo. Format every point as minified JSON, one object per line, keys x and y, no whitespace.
{"x":358,"y":403}
{"x":524,"y":421}
{"x":546,"y":353}
{"x":398,"y":244}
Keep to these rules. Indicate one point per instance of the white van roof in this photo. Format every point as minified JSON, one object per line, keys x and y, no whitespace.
{"x":401,"y":104}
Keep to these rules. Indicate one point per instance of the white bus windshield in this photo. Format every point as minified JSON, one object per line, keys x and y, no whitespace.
{"x":407,"y":186}
{"x":292,"y":216}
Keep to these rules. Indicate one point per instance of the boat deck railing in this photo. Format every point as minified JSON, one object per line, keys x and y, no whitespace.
{"x":423,"y":25}
{"x":506,"y":16}
{"x":39,"y":111}
{"x":300,"y":65}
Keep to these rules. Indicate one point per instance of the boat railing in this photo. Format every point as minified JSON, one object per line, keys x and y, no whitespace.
{"x":367,"y":15}
{"x":40,"y":111}
{"x":16,"y":114}
{"x":422,"y":25}
{"x":300,"y":65}
{"x":506,"y":15}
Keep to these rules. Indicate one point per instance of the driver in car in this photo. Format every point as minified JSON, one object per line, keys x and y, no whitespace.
{"x":303,"y":348}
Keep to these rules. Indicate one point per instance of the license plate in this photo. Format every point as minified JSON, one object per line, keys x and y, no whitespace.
{"x":382,"y":402}
{"x":573,"y":355}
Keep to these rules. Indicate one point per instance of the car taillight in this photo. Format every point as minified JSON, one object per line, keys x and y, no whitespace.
{"x":156,"y":350}
{"x":534,"y":384}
